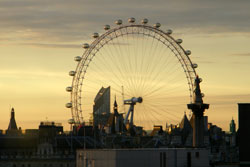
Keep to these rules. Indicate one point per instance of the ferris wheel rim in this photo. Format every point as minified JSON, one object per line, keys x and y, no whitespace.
{"x":77,"y":81}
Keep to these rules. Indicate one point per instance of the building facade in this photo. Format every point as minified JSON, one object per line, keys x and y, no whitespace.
{"x":161,"y":157}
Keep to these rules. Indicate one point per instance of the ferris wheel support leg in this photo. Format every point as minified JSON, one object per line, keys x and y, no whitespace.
{"x":131,"y":122}
{"x":131,"y":110}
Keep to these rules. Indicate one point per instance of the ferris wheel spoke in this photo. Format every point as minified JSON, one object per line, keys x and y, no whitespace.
{"x":152,"y":116}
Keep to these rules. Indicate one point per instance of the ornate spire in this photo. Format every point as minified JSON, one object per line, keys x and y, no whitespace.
{"x":115,"y":108}
{"x":115,"y":103}
{"x":232,"y":126}
{"x":12,"y":124}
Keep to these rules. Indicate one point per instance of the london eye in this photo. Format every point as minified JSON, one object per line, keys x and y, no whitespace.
{"x":134,"y":60}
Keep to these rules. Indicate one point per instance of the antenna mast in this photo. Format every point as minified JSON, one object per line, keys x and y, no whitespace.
{"x":123,"y":106}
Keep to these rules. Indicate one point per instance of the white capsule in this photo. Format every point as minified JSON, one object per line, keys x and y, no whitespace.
{"x":106,"y":27}
{"x":85,"y":46}
{"x":131,"y":20}
{"x":95,"y":35}
{"x":188,"y":52}
{"x":118,"y":22}
{"x":68,"y":105}
{"x":157,"y":25}
{"x":71,"y":121}
{"x":194,"y":65}
{"x":69,"y":89}
{"x":144,"y":21}
{"x":72,"y":73}
{"x":179,"y":41}
{"x":202,"y":95}
{"x":169,"y":31}
{"x":78,"y":58}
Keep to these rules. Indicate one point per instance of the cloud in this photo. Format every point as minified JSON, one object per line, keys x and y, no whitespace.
{"x":62,"y":20}
{"x":52,"y":45}
{"x":241,"y":54}
{"x":30,"y":74}
{"x":229,"y":99}
{"x":206,"y":62}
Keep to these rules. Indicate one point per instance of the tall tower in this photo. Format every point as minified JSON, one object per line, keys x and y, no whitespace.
{"x":198,"y":108}
{"x":232,"y":126}
{"x":12,"y":124}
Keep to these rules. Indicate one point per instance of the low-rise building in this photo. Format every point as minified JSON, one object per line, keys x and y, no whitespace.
{"x":162,"y":157}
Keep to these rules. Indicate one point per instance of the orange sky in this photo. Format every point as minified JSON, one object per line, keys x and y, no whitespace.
{"x":39,"y":41}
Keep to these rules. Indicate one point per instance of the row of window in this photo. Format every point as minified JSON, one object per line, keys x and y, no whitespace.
{"x":44,"y":165}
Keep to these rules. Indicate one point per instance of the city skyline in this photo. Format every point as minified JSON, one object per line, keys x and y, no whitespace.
{"x":40,"y":39}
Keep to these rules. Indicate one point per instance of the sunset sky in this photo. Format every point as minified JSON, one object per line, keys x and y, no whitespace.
{"x":39,"y":40}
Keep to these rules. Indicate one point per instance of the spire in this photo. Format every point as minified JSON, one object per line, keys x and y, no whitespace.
{"x":232,"y":126}
{"x":185,"y":124}
{"x":115,"y":103}
{"x":115,"y":108}
{"x":197,"y":92}
{"x":12,"y":124}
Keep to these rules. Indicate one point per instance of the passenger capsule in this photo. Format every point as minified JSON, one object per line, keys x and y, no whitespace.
{"x":95,"y":35}
{"x":118,"y":22}
{"x":85,"y":46}
{"x":144,"y":21}
{"x":69,"y":89}
{"x":157,"y":25}
{"x":71,"y":121}
{"x":78,"y":58}
{"x":202,"y":95}
{"x":179,"y":41}
{"x":106,"y":27}
{"x":188,"y":52}
{"x":68,"y":105}
{"x":131,"y":20}
{"x":200,"y":79}
{"x":72,"y":73}
{"x":194,"y":65}
{"x":169,"y":31}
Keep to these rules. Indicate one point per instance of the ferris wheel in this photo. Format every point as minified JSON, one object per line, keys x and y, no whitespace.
{"x":134,"y":60}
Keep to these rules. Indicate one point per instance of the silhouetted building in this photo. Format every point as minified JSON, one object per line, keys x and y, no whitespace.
{"x":101,"y":108}
{"x":47,"y":146}
{"x":12,"y":124}
{"x":244,"y":133}
{"x":162,"y":157}
{"x":232,"y":126}
{"x":186,"y":130}
{"x":12,"y":128}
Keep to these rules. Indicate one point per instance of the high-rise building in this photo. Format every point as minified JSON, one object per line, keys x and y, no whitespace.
{"x":244,"y":133}
{"x":101,"y":108}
